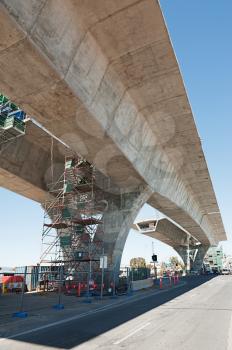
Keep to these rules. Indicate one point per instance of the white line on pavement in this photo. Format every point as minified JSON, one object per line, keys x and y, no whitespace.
{"x":132,"y":333}
{"x":57,"y":323}
{"x":91,"y":312}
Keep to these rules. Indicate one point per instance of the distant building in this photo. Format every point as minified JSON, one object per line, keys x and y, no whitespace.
{"x":227,"y":263}
{"x":214,"y":259}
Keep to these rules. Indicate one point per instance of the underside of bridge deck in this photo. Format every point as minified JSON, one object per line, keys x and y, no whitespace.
{"x":102,"y":76}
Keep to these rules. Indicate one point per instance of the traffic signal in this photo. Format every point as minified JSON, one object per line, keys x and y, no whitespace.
{"x":154,"y":257}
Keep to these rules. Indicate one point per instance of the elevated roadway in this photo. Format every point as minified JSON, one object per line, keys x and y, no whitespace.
{"x":171,"y":234}
{"x":102,"y":76}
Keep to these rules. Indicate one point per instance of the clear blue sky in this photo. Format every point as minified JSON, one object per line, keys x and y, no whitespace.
{"x":201,"y":32}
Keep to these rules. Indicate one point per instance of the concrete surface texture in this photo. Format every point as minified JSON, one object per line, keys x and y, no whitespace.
{"x":103,"y":77}
{"x":198,"y":315}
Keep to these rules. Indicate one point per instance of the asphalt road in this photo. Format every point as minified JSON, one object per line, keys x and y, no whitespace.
{"x":197,"y":316}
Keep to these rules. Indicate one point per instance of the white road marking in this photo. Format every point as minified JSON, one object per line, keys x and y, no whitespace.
{"x":132,"y":333}
{"x":59,"y":322}
{"x":91,"y":312}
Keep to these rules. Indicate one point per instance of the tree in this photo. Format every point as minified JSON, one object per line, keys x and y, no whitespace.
{"x":175,"y":262}
{"x":137,"y":262}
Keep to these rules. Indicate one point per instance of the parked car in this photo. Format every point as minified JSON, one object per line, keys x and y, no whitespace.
{"x":225,"y":272}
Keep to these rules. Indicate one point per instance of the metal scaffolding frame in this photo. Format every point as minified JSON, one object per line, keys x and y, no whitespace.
{"x":12,"y":121}
{"x":72,"y":219}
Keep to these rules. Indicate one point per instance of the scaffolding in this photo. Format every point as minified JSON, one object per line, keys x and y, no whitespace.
{"x":12,"y":120}
{"x":73,"y":228}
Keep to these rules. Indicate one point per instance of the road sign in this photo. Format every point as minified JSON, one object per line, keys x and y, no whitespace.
{"x":103,"y":262}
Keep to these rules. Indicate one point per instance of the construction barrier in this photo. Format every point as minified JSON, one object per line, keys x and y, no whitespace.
{"x":169,"y":281}
{"x":11,"y":284}
{"x":142,"y":284}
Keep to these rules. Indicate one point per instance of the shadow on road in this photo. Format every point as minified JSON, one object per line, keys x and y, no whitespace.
{"x":74,"y":333}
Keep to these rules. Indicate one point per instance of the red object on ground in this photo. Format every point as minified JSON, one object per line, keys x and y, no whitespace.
{"x":161,"y":283}
{"x":12,"y":279}
{"x":79,"y":289}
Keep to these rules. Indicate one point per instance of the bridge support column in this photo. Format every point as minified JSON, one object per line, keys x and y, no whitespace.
{"x":198,"y":262}
{"x":118,"y":219}
{"x":183,"y":252}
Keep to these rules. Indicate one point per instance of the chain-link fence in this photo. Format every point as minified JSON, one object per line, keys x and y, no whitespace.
{"x":35,"y":288}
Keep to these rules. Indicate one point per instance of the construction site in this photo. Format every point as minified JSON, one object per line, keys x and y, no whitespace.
{"x":112,"y":234}
{"x":79,"y":216}
{"x":73,"y":230}
{"x":72,"y":251}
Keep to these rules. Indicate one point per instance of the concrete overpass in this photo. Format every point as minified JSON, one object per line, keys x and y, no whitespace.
{"x":102,"y":76}
{"x":171,"y":234}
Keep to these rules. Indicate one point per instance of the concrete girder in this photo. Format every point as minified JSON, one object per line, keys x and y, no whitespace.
{"x":165,"y":231}
{"x":104,"y":77}
{"x":169,"y":233}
